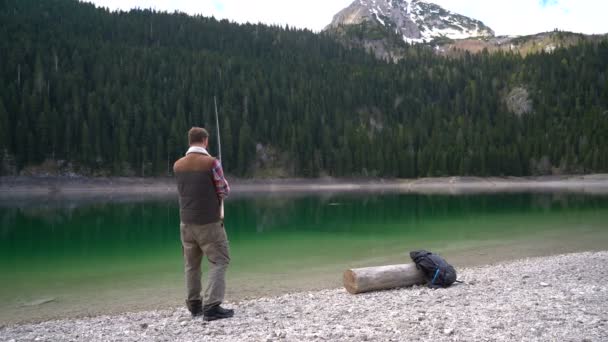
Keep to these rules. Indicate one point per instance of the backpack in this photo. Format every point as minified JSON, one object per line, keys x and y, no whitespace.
{"x":437,"y":271}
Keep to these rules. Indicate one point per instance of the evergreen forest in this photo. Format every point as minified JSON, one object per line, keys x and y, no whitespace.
{"x":114,"y":93}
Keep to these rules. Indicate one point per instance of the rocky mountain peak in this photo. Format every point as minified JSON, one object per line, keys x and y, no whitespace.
{"x":417,"y":21}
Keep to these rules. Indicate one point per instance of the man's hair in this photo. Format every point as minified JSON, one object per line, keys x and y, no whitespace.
{"x":197,"y":135}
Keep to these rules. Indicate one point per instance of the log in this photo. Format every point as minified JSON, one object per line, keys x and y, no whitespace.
{"x":359,"y":280}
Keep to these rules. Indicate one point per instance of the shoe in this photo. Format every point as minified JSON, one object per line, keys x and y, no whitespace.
{"x":217,"y":312}
{"x":195,"y":307}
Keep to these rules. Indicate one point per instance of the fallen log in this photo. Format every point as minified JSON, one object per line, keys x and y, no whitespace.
{"x":359,"y":280}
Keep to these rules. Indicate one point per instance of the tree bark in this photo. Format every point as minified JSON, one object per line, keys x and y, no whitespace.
{"x":368,"y":279}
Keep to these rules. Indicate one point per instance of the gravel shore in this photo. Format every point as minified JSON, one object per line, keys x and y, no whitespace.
{"x":558,"y":298}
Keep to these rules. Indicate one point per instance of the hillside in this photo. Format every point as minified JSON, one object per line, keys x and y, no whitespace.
{"x":545,"y":42}
{"x":86,"y":91}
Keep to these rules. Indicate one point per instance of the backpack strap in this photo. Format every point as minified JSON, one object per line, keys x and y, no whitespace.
{"x":435,"y":277}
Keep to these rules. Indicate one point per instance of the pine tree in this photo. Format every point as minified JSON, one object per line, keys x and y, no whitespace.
{"x":85,"y":144}
{"x":4,"y":128}
{"x":245,"y":151}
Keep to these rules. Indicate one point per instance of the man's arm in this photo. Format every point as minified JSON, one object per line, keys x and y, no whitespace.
{"x":222,"y":188}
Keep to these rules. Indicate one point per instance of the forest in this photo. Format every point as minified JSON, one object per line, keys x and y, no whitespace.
{"x":105,"y":93}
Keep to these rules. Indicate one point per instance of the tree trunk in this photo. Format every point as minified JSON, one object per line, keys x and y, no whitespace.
{"x":368,"y":279}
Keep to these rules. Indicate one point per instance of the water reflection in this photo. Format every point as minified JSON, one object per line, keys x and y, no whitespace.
{"x":35,"y":228}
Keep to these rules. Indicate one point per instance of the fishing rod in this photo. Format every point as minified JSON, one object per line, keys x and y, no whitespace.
{"x":217,"y":127}
{"x":219,"y":150}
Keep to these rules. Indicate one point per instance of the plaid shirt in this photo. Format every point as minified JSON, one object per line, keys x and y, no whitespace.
{"x":222,"y":188}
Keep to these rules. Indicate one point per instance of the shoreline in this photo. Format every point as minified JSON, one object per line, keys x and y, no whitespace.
{"x":11,"y":187}
{"x":559,"y":297}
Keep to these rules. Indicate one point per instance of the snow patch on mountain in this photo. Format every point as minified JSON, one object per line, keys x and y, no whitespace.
{"x":417,"y":21}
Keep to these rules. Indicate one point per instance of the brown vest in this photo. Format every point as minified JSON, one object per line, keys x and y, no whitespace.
{"x":198,"y":201}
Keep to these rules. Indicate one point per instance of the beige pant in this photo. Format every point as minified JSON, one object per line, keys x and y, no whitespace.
{"x":209,"y":240}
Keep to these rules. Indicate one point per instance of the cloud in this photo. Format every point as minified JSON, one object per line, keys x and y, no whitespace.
{"x":520,"y":17}
{"x":545,"y":3}
{"x":312,"y":14}
{"x":513,"y":17}
{"x":219,"y":5}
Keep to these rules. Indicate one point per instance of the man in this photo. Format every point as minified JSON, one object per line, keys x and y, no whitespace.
{"x":202,"y":188}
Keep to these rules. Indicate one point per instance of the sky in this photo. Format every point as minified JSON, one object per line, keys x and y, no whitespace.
{"x":505,"y":17}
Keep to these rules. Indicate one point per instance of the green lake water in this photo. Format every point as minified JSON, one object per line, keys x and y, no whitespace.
{"x":70,"y":257}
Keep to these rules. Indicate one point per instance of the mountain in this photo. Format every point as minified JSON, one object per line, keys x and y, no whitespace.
{"x":416,"y":21}
{"x":88,"y":91}
{"x":385,"y":26}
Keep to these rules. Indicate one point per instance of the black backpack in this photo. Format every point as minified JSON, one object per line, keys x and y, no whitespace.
{"x":437,"y":271}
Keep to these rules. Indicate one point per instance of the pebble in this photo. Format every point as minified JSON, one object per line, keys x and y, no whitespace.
{"x":493,"y":309}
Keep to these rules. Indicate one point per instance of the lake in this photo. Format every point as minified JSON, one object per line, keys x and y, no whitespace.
{"x":63,"y":257}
